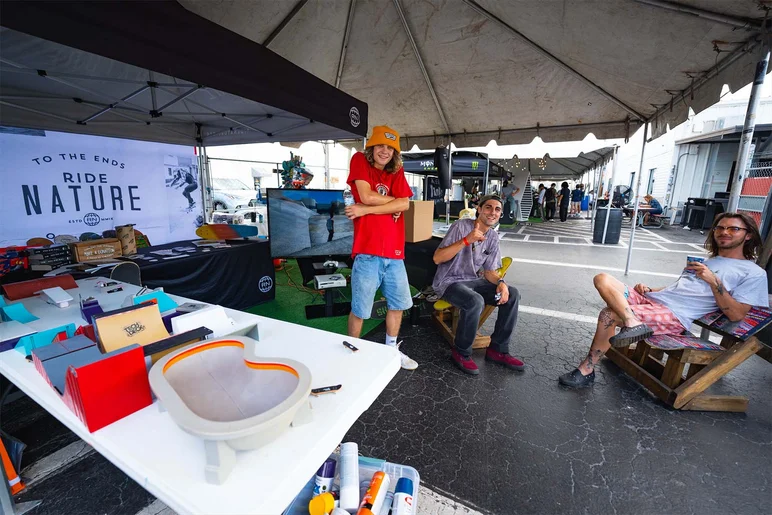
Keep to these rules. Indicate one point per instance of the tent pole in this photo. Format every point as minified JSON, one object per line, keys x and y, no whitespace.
{"x":610,"y":196}
{"x":206,"y":179}
{"x":450,"y":172}
{"x":637,"y":195}
{"x":744,"y":150}
{"x":596,"y":180}
{"x":486,"y":176}
{"x":327,"y":165}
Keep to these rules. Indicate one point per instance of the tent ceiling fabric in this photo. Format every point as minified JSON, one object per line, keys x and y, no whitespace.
{"x":602,"y":66}
{"x":234,"y":91}
{"x":558,"y":168}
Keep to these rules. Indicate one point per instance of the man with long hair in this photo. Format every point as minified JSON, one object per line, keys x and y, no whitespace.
{"x":381,"y":192}
{"x":728,"y":280}
{"x":470,"y":246}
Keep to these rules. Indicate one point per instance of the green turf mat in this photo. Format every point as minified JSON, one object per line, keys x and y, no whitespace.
{"x":291,"y":300}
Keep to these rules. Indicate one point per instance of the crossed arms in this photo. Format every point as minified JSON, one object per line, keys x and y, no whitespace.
{"x":373,"y":203}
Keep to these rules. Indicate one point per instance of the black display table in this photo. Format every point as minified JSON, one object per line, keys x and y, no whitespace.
{"x":236,"y":277}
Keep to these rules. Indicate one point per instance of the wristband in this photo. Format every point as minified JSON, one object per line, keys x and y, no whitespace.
{"x":500,"y":281}
{"x":466,"y":242}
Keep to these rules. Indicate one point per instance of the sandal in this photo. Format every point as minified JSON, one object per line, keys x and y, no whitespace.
{"x":630,"y":335}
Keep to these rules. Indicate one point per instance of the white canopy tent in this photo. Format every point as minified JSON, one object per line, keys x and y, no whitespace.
{"x":472,"y":71}
{"x":571,"y":168}
{"x":481,"y":70}
{"x":466,"y":71}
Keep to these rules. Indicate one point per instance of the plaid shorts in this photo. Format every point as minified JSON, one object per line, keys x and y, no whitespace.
{"x":653,"y":314}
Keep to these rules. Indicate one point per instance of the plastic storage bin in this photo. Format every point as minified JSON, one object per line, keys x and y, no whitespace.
{"x":367,"y":467}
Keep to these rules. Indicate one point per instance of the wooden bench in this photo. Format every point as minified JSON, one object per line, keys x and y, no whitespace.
{"x":446,"y":316}
{"x":659,"y":220}
{"x":679,"y":368}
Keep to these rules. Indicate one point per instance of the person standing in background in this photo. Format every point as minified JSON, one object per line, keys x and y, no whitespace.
{"x":550,"y":199}
{"x":564,"y":197}
{"x":576,"y":200}
{"x":540,"y":203}
{"x":378,"y":184}
{"x":506,"y":196}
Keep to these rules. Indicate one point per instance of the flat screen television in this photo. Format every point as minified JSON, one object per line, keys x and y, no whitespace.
{"x":308,"y":223}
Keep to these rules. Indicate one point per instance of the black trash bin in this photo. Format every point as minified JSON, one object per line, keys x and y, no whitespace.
{"x":614,"y":225}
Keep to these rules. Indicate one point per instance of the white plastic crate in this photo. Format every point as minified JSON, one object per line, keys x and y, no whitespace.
{"x":367,"y":467}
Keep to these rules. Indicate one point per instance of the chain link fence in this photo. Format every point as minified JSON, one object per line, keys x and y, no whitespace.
{"x":756,"y":186}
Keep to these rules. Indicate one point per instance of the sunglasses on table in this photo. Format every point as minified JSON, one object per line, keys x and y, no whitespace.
{"x":730,"y":229}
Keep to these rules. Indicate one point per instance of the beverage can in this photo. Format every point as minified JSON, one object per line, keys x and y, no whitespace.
{"x":693,"y":259}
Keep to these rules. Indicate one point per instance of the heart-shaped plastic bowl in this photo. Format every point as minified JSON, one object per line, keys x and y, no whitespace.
{"x":222,"y":392}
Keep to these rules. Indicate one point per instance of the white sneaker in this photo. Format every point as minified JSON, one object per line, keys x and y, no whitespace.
{"x":407,"y":363}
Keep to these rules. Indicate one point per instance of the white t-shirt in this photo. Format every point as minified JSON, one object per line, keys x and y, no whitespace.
{"x":690,"y":298}
{"x":541,"y":196}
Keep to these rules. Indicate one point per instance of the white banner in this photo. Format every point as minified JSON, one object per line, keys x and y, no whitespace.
{"x":54,"y":183}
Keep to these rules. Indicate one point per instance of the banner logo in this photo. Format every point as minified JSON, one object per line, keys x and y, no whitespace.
{"x":475,"y":165}
{"x":428,"y":165}
{"x":265,"y":284}
{"x":353,"y":115}
{"x":92,"y":219}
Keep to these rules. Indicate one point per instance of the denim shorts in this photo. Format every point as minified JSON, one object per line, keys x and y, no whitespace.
{"x":372,"y":272}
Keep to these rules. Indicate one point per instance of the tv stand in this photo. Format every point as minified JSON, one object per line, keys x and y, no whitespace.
{"x":312,"y":266}
{"x":330,"y":308}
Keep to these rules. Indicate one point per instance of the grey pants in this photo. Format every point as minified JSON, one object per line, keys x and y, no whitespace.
{"x":470,"y":297}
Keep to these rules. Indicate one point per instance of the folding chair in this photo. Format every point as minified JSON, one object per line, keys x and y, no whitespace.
{"x":127,"y":272}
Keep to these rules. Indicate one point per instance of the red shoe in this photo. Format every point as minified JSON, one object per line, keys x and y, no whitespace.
{"x":467,"y":365}
{"x":508,"y":361}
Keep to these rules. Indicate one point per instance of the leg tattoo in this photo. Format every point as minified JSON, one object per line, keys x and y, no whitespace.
{"x":593,"y":357}
{"x":607,"y":318}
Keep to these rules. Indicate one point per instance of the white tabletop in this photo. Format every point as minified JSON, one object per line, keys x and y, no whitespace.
{"x":150,"y":448}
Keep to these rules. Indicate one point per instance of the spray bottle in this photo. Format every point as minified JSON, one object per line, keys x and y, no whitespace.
{"x":376,"y":494}
{"x":403,"y":497}
{"x":349,"y":476}
{"x":324,"y":477}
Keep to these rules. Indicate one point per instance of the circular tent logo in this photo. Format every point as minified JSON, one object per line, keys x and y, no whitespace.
{"x":353,"y":114}
{"x":91,"y":219}
{"x":265,"y":284}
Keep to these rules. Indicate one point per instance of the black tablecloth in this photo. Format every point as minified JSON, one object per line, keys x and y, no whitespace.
{"x":236,"y":277}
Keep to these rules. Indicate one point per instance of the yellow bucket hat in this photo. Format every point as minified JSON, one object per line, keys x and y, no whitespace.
{"x":384,"y":135}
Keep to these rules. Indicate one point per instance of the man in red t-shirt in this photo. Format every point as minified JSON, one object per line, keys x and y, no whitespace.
{"x":377,"y":181}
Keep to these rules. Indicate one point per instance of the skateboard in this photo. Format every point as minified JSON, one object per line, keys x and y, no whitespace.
{"x":226,"y":231}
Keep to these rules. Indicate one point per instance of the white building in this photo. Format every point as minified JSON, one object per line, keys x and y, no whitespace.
{"x":696,"y":158}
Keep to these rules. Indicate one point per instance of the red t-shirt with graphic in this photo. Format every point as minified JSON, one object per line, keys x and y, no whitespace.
{"x":378,"y":235}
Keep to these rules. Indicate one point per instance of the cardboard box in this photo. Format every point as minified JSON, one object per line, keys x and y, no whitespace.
{"x":419,"y":220}
{"x":85,"y":251}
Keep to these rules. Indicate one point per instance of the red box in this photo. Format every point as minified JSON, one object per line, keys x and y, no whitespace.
{"x":102,"y":391}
